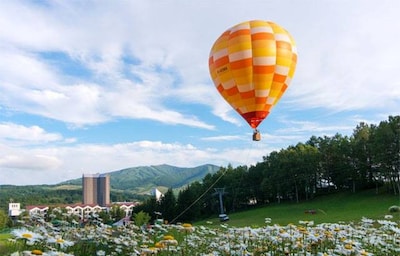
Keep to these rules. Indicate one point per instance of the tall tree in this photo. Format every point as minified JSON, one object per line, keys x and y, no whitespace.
{"x":168,"y":205}
{"x":253,"y":183}
{"x":386,"y":146}
{"x":189,"y":203}
{"x":361,"y":158}
{"x":308,"y":159}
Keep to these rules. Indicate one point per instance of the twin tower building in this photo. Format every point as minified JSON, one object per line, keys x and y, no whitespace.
{"x":96,"y":189}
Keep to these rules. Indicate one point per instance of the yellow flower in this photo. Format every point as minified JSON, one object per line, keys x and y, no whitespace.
{"x":168,"y":237}
{"x":159,"y":245}
{"x":186,"y":225}
{"x":27,"y":235}
{"x":37,"y":252}
{"x":302,"y":229}
{"x":348,"y":246}
{"x":170,"y":240}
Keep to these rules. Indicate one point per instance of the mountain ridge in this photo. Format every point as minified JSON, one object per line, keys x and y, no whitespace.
{"x":129,"y":184}
{"x":142,"y":178}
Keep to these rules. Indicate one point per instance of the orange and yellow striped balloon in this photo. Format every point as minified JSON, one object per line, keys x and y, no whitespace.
{"x":252,"y":65}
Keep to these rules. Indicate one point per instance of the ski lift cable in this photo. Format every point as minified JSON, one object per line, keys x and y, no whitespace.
{"x":205,"y":192}
{"x":209,"y":188}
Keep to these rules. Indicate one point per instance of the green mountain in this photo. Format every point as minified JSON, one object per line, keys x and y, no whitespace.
{"x":126,"y":185}
{"x":141,"y":179}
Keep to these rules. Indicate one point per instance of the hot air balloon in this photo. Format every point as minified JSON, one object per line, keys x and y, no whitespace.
{"x":252,"y":65}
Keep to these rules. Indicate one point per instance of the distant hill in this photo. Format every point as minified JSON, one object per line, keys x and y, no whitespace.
{"x":127,"y":184}
{"x":141,"y":179}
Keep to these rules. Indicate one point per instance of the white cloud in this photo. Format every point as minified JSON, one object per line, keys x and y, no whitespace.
{"x":347,"y":61}
{"x":11,"y":133}
{"x":342,"y":61}
{"x":24,"y":69}
{"x":296,"y":127}
{"x":27,"y":161}
{"x":97,"y":40}
{"x":56,"y":164}
{"x":89,"y":63}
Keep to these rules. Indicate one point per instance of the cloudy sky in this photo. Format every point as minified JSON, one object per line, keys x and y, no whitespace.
{"x":98,"y":86}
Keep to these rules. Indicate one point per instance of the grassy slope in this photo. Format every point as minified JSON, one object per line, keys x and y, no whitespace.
{"x":329,"y":208}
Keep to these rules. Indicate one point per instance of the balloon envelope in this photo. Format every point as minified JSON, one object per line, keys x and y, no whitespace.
{"x":252,"y":65}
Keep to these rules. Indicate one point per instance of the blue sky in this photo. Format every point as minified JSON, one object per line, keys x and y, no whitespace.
{"x":98,"y":86}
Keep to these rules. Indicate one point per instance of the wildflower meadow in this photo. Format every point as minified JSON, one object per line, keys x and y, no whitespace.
{"x":35,"y":236}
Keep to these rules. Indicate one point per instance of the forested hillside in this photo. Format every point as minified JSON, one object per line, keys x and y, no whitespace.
{"x":143,"y":178}
{"x":369,"y":158}
{"x":126,"y":185}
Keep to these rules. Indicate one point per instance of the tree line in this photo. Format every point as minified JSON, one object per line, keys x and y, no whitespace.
{"x":369,"y":158}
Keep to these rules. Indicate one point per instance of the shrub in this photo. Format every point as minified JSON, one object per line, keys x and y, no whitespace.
{"x":141,"y":218}
{"x":3,"y":219}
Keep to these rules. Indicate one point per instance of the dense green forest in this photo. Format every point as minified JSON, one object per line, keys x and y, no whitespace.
{"x":369,"y":158}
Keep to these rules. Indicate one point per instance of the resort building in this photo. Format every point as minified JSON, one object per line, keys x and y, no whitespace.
{"x":96,"y":199}
{"x":84,"y":210}
{"x":37,"y":209}
{"x":14,"y":209}
{"x":156,"y":194}
{"x":96,"y":189}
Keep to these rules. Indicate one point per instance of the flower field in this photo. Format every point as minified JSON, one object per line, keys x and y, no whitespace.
{"x":367,"y":237}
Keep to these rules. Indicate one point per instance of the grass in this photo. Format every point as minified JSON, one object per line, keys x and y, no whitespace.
{"x":3,"y":240}
{"x":4,"y":237}
{"x":334,"y":208}
{"x":344,"y":206}
{"x":338,"y":207}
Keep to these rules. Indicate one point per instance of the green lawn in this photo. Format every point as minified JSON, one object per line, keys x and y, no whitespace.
{"x":329,"y":208}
